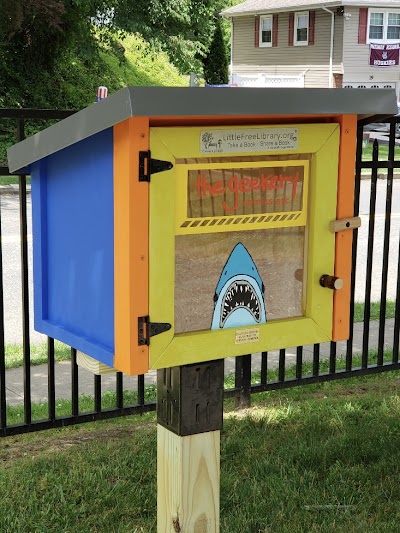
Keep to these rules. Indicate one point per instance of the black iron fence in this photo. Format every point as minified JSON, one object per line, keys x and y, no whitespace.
{"x":373,"y":345}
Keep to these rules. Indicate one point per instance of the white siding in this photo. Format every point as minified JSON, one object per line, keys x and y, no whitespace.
{"x":285,"y":59}
{"x":356,"y":56}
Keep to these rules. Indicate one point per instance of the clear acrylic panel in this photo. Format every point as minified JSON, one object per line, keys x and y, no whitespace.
{"x":238,"y":278}
{"x":244,"y":191}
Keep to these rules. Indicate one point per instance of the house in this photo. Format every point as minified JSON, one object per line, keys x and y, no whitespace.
{"x":310,"y":43}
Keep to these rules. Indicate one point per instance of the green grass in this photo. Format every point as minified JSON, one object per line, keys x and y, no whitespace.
{"x":315,"y":461}
{"x":15,"y":415}
{"x":383,"y":156}
{"x":375,"y":310}
{"x":322,"y":458}
{"x":15,"y":356}
{"x":307,"y":367}
{"x":11,"y":180}
{"x":383,"y":152}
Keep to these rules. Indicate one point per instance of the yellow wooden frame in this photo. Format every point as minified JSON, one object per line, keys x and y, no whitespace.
{"x":167,"y":349}
{"x":277,"y":219}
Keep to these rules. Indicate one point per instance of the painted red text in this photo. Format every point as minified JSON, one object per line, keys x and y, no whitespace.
{"x":238,"y":185}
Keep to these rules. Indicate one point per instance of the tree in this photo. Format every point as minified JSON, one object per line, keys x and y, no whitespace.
{"x":34,"y":32}
{"x":182,"y":28}
{"x":37,"y":37}
{"x":216,"y":62}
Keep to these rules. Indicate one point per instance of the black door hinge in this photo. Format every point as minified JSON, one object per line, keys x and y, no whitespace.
{"x":147,"y":329}
{"x":149,"y":166}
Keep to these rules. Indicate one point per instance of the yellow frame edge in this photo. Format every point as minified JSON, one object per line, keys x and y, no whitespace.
{"x":166,"y":350}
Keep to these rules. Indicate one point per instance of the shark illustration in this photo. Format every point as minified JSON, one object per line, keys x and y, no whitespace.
{"x":239,"y":296}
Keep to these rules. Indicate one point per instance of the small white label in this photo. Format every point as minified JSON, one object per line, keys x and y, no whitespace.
{"x":243,"y":336}
{"x":249,"y":140}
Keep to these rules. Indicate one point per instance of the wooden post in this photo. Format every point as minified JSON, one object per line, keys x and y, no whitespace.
{"x":188,"y":472}
{"x":189,"y":414}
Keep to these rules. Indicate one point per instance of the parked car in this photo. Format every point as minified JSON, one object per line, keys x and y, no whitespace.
{"x":384,"y":127}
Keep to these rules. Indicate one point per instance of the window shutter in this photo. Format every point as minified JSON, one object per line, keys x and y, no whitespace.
{"x":291,"y":29}
{"x":362,"y":25}
{"x":311,"y":27}
{"x":275,"y":30}
{"x":257,"y":32}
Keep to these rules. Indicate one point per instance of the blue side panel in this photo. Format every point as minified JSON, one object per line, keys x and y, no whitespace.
{"x":73,"y":235}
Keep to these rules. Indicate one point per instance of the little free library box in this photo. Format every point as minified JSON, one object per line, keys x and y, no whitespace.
{"x":179,"y":225}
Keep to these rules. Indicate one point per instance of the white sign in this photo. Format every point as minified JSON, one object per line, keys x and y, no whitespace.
{"x":248,"y":140}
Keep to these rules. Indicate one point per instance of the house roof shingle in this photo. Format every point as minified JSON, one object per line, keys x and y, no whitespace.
{"x":264,"y":6}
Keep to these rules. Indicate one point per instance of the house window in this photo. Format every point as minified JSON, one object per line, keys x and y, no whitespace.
{"x":384,"y":25}
{"x":393,"y":27}
{"x":301,"y":28}
{"x":266,"y":31}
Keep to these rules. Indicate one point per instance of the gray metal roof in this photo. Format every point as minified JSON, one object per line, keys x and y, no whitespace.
{"x":155,"y":102}
{"x":252,"y":7}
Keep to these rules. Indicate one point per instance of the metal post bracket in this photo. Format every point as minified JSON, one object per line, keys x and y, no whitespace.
{"x":190,"y":398}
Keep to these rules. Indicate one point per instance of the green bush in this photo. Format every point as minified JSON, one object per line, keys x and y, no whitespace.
{"x":74,"y":80}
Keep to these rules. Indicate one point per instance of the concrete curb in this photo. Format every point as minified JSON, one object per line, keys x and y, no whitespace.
{"x":13,"y":189}
{"x":366,"y":175}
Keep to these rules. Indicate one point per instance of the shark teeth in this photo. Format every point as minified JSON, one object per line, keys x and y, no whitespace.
{"x":240,"y":294}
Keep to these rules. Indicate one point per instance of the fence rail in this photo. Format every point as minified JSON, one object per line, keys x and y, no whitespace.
{"x":252,"y":373}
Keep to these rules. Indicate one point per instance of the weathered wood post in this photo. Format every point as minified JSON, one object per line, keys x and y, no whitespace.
{"x":190,"y":417}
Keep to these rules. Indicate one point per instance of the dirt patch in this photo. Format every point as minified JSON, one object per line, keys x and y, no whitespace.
{"x":388,"y":387}
{"x":381,"y":388}
{"x":12,"y":449}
